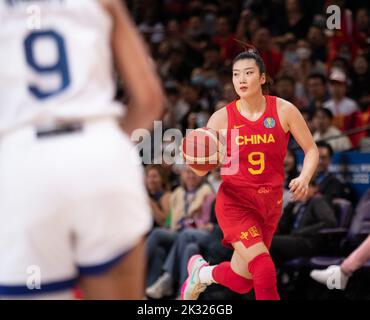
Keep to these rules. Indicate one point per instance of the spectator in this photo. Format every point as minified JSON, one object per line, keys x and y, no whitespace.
{"x":176,"y":67}
{"x":308,"y":117}
{"x":343,"y":272}
{"x":360,"y":76}
{"x":225,"y":39}
{"x":285,"y":89}
{"x":185,"y":205}
{"x":174,"y":36}
{"x":214,"y":179}
{"x":290,"y":172}
{"x":195,"y":39}
{"x":247,"y":25}
{"x":295,"y":22}
{"x":211,"y":57}
{"x":329,"y":185}
{"x":151,"y":28}
{"x":272,"y":58}
{"x":158,"y":190}
{"x":177,"y":108}
{"x":362,"y":27}
{"x":297,"y":233}
{"x":290,"y":167}
{"x":290,"y":56}
{"x":317,"y":40}
{"x":192,"y":96}
{"x":317,"y":91}
{"x":325,"y":130}
{"x":342,"y":41}
{"x":306,"y":64}
{"x":339,"y":104}
{"x":190,"y":241}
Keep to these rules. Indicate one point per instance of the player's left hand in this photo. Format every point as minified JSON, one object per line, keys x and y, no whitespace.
{"x":299,"y":188}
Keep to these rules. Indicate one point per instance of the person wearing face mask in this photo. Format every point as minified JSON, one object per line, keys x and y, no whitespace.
{"x":290,"y":55}
{"x":306,"y":64}
{"x":303,"y":53}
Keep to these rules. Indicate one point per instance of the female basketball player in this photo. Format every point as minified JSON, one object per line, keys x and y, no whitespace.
{"x":249,"y":202}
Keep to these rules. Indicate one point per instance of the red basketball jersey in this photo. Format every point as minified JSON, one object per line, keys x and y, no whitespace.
{"x":256,"y":148}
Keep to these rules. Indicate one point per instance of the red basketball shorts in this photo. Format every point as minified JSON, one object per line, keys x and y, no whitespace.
{"x":247,"y":214}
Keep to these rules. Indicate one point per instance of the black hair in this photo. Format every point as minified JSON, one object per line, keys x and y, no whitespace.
{"x":323,"y":144}
{"x":326,"y":111}
{"x":251,"y":53}
{"x":317,"y":75}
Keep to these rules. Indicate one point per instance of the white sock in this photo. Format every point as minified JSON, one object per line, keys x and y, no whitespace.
{"x":205,"y":275}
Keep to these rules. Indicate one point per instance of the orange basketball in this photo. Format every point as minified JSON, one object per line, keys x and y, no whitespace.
{"x":200,"y":149}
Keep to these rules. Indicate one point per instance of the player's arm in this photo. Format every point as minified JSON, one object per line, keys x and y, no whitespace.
{"x":296,"y":124}
{"x":136,"y":70}
{"x":218,"y":122}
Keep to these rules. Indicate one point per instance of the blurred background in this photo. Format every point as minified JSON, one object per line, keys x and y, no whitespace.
{"x":324,"y":73}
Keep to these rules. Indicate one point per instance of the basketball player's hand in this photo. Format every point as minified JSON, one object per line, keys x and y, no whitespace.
{"x":299,"y":188}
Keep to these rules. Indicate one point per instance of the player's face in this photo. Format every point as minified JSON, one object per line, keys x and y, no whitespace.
{"x":247,"y":79}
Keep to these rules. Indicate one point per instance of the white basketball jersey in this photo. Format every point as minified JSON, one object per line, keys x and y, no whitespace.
{"x":55,"y":59}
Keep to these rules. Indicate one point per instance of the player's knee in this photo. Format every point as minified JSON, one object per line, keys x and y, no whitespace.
{"x":224,"y":274}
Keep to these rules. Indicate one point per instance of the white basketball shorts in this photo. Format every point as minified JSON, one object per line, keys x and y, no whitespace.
{"x":70,"y":205}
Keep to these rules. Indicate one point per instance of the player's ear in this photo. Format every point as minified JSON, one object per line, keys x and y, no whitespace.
{"x":263,"y":78}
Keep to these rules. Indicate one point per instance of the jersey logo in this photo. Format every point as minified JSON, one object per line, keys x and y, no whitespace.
{"x":255,"y":139}
{"x":269,"y":123}
{"x":238,"y":127}
{"x":252,"y":231}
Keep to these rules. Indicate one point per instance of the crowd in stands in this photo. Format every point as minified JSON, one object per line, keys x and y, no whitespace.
{"x":324,"y":73}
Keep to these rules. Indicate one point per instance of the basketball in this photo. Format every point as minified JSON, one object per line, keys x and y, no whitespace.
{"x":200,"y":149}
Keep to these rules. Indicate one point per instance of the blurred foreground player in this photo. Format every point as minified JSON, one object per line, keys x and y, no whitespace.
{"x":72,"y":199}
{"x":249,"y":201}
